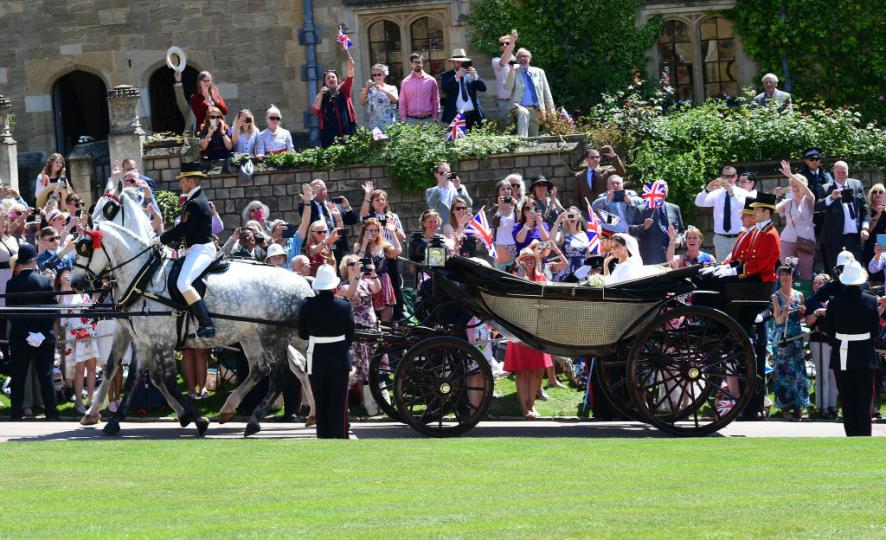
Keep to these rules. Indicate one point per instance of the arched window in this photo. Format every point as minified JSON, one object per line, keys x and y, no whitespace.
{"x":80,"y":107}
{"x":675,"y":54}
{"x":718,"y":56}
{"x":165,"y":114}
{"x":427,"y":38}
{"x":386,"y":48}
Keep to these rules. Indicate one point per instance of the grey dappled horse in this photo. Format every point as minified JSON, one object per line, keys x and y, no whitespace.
{"x":255,"y":291}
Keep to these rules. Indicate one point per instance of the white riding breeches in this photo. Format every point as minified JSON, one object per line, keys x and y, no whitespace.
{"x":198,"y":258}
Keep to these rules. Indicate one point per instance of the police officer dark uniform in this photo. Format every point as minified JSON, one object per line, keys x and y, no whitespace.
{"x":195,"y":230}
{"x":327,"y":323}
{"x":852,"y":318}
{"x":23,"y":333}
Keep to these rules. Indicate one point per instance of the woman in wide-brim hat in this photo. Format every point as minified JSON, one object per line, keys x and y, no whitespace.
{"x":256,"y":211}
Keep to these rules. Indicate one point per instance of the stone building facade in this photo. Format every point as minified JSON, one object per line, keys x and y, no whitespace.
{"x":67,"y":55}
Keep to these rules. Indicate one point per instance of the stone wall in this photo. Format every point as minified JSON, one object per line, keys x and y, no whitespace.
{"x":279,"y":189}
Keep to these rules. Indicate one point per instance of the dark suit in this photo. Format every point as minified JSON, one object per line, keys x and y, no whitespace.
{"x":195,"y":226}
{"x":451,"y":88}
{"x":325,"y":315}
{"x":590,"y":183}
{"x":832,"y":237}
{"x":853,"y":311}
{"x":654,"y":241}
{"x":30,"y":281}
{"x":319,"y":211}
{"x":816,"y":182}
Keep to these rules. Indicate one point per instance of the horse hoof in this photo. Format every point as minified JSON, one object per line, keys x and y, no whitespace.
{"x":111,"y":428}
{"x":90,"y":419}
{"x":251,"y":429}
{"x":225,"y":417}
{"x":185,"y":420}
{"x":202,"y":426}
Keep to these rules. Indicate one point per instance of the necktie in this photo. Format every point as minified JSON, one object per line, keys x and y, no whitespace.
{"x":850,"y":203}
{"x":464,"y":89}
{"x":663,"y":220}
{"x":727,"y":213}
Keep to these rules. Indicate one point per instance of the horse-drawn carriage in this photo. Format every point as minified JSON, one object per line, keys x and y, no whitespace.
{"x":685,"y":369}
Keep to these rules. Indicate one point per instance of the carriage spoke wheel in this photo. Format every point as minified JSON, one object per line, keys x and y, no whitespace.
{"x":382,"y":368}
{"x":442,"y":387}
{"x":612,"y":378}
{"x":691,"y":371}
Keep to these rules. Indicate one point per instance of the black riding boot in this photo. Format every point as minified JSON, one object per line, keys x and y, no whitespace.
{"x":206,"y":329}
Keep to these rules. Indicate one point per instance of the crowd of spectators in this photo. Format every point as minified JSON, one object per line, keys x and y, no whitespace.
{"x":605,"y":230}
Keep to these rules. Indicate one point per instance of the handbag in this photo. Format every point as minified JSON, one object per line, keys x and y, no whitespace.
{"x":803,"y":245}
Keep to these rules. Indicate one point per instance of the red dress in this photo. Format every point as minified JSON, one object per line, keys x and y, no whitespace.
{"x":519,"y":357}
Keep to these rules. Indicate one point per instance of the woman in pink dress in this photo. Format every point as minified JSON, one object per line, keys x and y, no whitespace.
{"x":528,"y":365}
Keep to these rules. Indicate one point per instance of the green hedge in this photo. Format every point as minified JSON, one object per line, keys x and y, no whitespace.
{"x":410,"y":153}
{"x":688,"y":146}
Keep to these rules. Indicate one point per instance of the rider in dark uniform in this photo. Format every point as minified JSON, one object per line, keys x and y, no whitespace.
{"x":852,"y":318}
{"x":29,"y":280}
{"x":327,"y":323}
{"x":195,"y":229}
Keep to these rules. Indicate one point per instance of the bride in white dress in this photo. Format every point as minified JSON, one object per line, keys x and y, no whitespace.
{"x":624,"y":250}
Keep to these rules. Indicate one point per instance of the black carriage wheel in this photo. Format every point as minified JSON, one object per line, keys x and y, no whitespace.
{"x":612,"y":376}
{"x":382,"y":367}
{"x":691,"y":371}
{"x":443,"y":387}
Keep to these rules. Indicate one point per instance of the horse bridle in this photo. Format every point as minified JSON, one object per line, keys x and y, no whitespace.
{"x":86,"y":245}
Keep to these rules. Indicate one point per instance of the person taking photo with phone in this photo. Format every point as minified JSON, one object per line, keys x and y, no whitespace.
{"x":379,"y":98}
{"x":334,"y":107}
{"x":441,"y":196}
{"x":215,"y":142}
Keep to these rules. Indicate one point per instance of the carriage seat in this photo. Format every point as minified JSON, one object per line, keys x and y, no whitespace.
{"x":218,"y":266}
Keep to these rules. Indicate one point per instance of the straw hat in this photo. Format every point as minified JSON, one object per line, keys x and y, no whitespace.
{"x":458,"y":55}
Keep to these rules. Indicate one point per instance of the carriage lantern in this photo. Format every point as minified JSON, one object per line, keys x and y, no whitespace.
{"x":435,"y":253}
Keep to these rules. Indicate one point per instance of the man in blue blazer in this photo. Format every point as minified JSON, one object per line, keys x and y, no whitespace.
{"x":461,"y":84}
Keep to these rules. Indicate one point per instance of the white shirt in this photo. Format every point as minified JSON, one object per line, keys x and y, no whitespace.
{"x":501,"y":73}
{"x":716,"y":199}
{"x":504,"y":235}
{"x":849,"y":224}
{"x":463,"y":100}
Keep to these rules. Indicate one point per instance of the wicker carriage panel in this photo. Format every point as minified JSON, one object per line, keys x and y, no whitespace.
{"x":568,"y":322}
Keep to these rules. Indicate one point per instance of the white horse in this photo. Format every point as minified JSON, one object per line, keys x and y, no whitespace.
{"x":259,"y":293}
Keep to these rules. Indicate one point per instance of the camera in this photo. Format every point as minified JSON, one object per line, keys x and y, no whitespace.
{"x":338,"y":200}
{"x":384,"y":221}
{"x":507,"y":199}
{"x":365,"y":264}
{"x":570,"y":216}
{"x":467,"y":65}
{"x":512,"y":62}
{"x":452,"y":175}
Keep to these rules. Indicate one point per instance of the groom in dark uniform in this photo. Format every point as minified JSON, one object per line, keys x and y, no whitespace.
{"x":31,"y":340}
{"x":195,"y":230}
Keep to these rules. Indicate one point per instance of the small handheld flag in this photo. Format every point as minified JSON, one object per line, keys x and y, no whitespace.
{"x":456,"y":129}
{"x":343,"y":38}
{"x":594,"y":232}
{"x":654,"y":193}
{"x":480,"y":228}
{"x":566,"y":117}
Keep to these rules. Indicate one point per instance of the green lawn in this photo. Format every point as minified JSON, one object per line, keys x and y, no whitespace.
{"x":416,"y":488}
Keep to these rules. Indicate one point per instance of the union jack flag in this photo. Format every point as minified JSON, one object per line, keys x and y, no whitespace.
{"x":566,"y":117}
{"x":480,"y":228}
{"x":456,"y":129}
{"x":594,"y":231}
{"x":654,"y":193}
{"x":343,"y":38}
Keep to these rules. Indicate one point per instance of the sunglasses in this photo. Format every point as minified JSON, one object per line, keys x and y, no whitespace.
{"x":814,"y":158}
{"x":460,"y":208}
{"x":441,"y":172}
{"x":51,"y":239}
{"x":78,"y":204}
{"x":877,"y":192}
{"x":593,"y":157}
{"x":504,"y":42}
{"x":214,"y":117}
{"x":128,"y":181}
{"x":353,"y":263}
{"x":274,"y":118}
{"x":324,"y":231}
{"x":729,"y":175}
{"x":515,"y":185}
{"x":378,"y":74}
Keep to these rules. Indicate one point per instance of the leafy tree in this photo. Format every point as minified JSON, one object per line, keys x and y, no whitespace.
{"x":586,"y":47}
{"x":835,"y":49}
